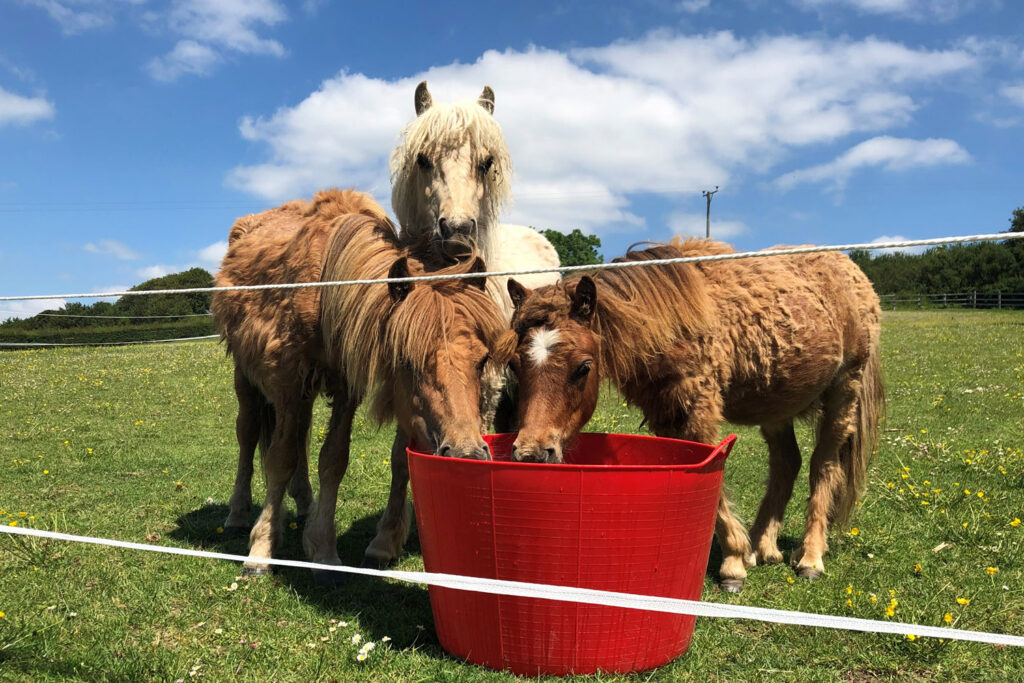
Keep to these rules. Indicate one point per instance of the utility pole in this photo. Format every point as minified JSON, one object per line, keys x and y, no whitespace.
{"x":708,"y":193}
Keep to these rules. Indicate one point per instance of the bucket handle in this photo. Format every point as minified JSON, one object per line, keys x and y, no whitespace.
{"x":721,"y":451}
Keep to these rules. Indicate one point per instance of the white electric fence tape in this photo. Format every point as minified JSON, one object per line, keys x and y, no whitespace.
{"x":559,"y":269}
{"x":570,"y":594}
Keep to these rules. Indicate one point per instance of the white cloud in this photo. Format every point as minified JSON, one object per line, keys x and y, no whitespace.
{"x":895,"y":238}
{"x":112,"y":248}
{"x":27,"y":309}
{"x":211,"y":28}
{"x":695,"y":224}
{"x":887,"y":153}
{"x":213,"y":254}
{"x":940,"y":10}
{"x":187,"y":57}
{"x":19,"y":110}
{"x":209,"y":257}
{"x":1014,"y":93}
{"x":150,"y":272}
{"x":693,"y":6}
{"x":590,"y":128}
{"x":75,"y":17}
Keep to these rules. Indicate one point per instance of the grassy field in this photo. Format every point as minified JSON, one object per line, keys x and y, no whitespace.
{"x":137,"y":443}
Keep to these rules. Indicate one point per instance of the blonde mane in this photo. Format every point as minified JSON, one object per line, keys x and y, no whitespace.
{"x":367,"y":336}
{"x":442,"y":129}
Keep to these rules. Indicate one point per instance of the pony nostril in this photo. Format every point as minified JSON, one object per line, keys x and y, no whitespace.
{"x":445,"y":229}
{"x":549,"y":454}
{"x":487,"y":452}
{"x":445,"y":450}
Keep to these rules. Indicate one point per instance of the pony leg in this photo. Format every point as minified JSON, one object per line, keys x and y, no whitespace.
{"x":827,"y":476}
{"x":320,"y":539}
{"x":247,"y":431}
{"x":290,"y":429}
{"x":393,"y":528}
{"x":298,"y":487}
{"x":783,"y":466}
{"x":735,"y":545}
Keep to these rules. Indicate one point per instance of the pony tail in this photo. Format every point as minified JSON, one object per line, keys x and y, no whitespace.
{"x":857,"y":453}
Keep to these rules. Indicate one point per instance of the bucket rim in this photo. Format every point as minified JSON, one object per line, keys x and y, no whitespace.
{"x":716,"y":456}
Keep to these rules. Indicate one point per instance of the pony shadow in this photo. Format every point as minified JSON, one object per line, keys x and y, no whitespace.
{"x":398,"y":610}
{"x":200,"y":528}
{"x":386,"y":608}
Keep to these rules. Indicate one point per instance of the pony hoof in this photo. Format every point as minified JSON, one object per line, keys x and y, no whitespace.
{"x":731,"y":585}
{"x":809,"y":573}
{"x":374,"y":562}
{"x":327,"y":579}
{"x":255,"y":570}
{"x":231,"y":532}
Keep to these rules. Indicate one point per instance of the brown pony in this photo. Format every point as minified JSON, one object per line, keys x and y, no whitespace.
{"x":417,"y":349}
{"x":759,"y":341}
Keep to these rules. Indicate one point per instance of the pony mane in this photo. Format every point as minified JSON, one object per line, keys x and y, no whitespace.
{"x":640,"y":312}
{"x":443,"y":128}
{"x":367,"y":335}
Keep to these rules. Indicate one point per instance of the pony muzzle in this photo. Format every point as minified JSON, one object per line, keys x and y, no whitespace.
{"x":475,"y":449}
{"x":543,"y":451}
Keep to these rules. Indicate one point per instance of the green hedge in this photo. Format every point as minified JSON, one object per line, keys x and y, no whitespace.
{"x":112,"y":333}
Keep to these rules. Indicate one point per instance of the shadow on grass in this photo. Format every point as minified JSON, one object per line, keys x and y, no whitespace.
{"x":400,"y":611}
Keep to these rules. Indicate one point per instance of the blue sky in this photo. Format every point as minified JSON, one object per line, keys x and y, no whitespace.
{"x":134,"y":132}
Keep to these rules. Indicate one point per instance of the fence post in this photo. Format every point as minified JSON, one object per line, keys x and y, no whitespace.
{"x":944,"y":301}
{"x":974,"y":299}
{"x":919,"y":302}
{"x":999,"y":299}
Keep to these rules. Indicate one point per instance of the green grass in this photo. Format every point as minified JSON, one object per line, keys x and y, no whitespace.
{"x":138,"y":444}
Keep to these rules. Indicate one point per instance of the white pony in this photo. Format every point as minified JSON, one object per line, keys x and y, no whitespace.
{"x":450,"y":177}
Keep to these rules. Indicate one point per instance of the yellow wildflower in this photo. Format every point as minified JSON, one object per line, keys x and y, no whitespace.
{"x":1015,"y":522}
{"x":948,"y":617}
{"x":854,"y":531}
{"x":963,"y":601}
{"x":991,"y":571}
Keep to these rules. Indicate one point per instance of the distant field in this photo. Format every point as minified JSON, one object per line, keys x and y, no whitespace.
{"x":137,"y":443}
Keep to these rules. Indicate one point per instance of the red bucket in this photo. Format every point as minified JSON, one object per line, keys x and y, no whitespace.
{"x":626,"y":513}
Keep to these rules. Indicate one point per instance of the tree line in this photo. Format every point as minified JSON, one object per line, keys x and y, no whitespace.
{"x":978,"y":267}
{"x":156,"y":316}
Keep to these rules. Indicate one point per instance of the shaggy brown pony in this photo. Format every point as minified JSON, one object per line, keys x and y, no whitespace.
{"x":758,"y":341}
{"x":417,"y":350}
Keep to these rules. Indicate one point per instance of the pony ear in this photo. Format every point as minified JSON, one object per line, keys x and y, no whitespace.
{"x":423,"y":99}
{"x":399,"y":290}
{"x":477,"y":266}
{"x":486,"y":99}
{"x":517,"y":293}
{"x":584,"y":299}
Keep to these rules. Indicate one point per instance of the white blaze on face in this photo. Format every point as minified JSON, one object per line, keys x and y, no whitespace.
{"x":544,"y":340}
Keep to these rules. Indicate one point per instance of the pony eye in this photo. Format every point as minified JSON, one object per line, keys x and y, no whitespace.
{"x":486,"y":165}
{"x":582,"y":370}
{"x":423,"y":162}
